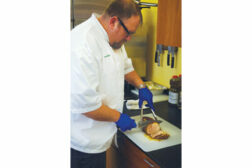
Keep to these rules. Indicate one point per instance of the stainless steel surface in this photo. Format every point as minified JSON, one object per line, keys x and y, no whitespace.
{"x":82,"y":9}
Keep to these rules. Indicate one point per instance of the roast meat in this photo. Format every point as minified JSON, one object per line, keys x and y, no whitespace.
{"x":153,"y":129}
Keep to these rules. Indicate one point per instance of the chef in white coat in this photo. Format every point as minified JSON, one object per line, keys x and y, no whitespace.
{"x":99,"y":66}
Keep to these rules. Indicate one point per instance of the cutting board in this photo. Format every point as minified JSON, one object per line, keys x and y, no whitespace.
{"x":147,"y":144}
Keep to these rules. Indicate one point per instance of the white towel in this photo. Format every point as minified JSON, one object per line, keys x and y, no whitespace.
{"x":133,"y":105}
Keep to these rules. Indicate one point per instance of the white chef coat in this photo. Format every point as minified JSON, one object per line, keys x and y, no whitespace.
{"x":97,"y":76}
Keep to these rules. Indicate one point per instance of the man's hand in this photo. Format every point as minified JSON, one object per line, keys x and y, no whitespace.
{"x":125,"y":122}
{"x":145,"y":95}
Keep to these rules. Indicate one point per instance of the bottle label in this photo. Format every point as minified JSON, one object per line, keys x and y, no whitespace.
{"x":173,"y":97}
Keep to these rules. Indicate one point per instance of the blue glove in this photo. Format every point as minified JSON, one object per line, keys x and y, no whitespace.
{"x":145,"y":95}
{"x":125,"y":122}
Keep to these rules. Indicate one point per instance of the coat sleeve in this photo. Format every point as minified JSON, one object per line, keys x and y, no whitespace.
{"x":128,"y":67}
{"x":84,"y":81}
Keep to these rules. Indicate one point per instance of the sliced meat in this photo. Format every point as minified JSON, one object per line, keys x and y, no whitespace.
{"x":148,"y":118}
{"x":153,"y":130}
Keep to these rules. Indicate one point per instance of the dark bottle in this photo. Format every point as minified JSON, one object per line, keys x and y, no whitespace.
{"x":174,"y":90}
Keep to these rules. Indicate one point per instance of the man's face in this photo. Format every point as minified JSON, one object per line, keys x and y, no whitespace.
{"x":124,"y":30}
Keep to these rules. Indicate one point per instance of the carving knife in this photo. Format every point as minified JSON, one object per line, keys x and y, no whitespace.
{"x":172,"y":61}
{"x":159,"y":54}
{"x":168,"y":55}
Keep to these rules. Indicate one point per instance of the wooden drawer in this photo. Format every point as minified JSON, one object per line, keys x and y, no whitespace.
{"x":134,"y":157}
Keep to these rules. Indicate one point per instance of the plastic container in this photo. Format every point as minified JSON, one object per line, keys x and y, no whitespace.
{"x":155,"y":88}
{"x":174,"y":90}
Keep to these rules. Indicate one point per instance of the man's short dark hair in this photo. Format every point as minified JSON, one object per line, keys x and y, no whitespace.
{"x":124,"y":9}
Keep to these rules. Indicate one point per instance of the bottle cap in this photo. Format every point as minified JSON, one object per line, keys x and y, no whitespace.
{"x":174,"y":76}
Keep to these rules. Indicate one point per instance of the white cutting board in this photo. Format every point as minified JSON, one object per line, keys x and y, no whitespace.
{"x":146,"y":144}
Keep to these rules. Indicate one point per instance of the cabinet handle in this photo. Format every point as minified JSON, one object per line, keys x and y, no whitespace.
{"x":146,"y":161}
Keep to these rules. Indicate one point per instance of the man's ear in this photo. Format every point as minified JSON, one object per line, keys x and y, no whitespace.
{"x":113,"y":22}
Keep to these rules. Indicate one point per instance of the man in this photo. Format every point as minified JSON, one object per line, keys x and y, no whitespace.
{"x":99,"y":65}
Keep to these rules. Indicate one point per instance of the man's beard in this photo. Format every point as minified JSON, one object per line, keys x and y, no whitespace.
{"x":117,"y":45}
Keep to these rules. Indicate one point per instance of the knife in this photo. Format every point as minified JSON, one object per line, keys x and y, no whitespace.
{"x":141,"y":116}
{"x":172,"y":62}
{"x":160,"y":48}
{"x":156,"y":55}
{"x":168,"y":55}
{"x":142,"y":123}
{"x":154,"y":115}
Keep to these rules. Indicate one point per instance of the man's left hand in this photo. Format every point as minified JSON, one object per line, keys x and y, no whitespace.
{"x":145,"y":95}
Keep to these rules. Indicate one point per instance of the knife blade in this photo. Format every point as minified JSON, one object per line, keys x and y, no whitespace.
{"x":154,"y":115}
{"x":160,"y":50}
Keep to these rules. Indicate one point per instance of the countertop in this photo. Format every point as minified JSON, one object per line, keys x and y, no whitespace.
{"x":169,"y":157}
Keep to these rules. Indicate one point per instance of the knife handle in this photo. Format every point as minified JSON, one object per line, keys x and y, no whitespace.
{"x":172,"y":63}
{"x":168,"y":59}
{"x":156,"y":55}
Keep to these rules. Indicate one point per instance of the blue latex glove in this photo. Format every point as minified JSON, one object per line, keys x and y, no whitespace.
{"x":125,"y":122}
{"x":145,"y":95}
